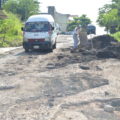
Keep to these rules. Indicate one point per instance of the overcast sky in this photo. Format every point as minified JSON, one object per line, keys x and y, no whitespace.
{"x":75,"y":7}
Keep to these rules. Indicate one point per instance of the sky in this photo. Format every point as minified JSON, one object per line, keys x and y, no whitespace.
{"x":75,"y":7}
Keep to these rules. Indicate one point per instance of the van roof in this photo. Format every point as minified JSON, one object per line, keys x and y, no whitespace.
{"x":38,"y":18}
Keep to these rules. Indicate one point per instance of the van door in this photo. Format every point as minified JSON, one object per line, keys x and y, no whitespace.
{"x":54,"y":34}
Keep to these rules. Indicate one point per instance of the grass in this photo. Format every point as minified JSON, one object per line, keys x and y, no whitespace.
{"x":116,"y":36}
{"x":10,"y":31}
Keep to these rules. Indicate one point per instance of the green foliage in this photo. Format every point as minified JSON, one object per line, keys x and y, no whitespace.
{"x":11,"y":6}
{"x":24,"y":8}
{"x":116,"y":36}
{"x":72,"y":25}
{"x":110,"y":20}
{"x":10,"y":31}
{"x":10,"y":28}
{"x":82,"y":20}
{"x":109,"y":16}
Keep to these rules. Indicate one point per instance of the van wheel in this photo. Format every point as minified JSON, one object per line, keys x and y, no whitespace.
{"x":51,"y":50}
{"x":54,"y":46}
{"x":26,"y":50}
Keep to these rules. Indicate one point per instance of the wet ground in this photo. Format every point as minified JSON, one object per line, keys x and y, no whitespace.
{"x":59,"y":86}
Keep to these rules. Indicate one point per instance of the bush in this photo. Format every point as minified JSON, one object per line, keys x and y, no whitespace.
{"x":10,"y":31}
{"x":23,"y":8}
{"x":116,"y":36}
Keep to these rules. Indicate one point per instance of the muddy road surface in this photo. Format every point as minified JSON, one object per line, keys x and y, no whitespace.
{"x":59,"y":85}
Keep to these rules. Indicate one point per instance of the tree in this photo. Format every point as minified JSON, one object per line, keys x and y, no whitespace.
{"x":109,"y":16}
{"x":11,"y":6}
{"x":24,"y":8}
{"x":109,"y":20}
{"x":82,"y":20}
{"x":2,"y":2}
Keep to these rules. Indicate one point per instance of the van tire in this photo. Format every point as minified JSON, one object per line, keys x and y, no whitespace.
{"x":26,"y":50}
{"x":51,"y":50}
{"x":54,"y":46}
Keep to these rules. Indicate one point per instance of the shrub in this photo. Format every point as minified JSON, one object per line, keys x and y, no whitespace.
{"x":10,"y":31}
{"x":116,"y":36}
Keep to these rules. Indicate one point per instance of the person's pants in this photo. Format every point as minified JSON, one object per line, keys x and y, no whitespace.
{"x":76,"y":41}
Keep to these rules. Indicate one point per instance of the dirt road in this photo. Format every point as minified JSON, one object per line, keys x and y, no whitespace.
{"x":59,"y":85}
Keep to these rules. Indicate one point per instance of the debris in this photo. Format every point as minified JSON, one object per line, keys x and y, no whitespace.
{"x":108,"y":108}
{"x":85,"y":67}
{"x":104,"y":46}
{"x":106,"y":93}
{"x":98,"y":68}
{"x":102,"y":41}
{"x":60,"y":57}
{"x":116,"y":103}
{"x":50,"y":66}
{"x":106,"y":54}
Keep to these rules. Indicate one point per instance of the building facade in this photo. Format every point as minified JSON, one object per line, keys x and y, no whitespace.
{"x":61,"y":19}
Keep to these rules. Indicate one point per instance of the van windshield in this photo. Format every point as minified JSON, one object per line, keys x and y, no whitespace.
{"x":37,"y":27}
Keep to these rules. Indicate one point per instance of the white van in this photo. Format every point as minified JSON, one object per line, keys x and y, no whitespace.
{"x":39,"y":33}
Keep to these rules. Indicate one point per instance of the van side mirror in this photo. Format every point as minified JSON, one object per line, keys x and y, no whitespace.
{"x":22,"y":28}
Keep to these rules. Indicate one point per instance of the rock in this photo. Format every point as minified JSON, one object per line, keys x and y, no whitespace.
{"x":85,"y":67}
{"x":98,"y":68}
{"x":106,"y":54}
{"x":108,"y":108}
{"x":117,"y":109}
{"x":50,"y":66}
{"x":59,"y":95}
{"x":50,"y":104}
{"x":60,"y":57}
{"x":89,"y":52}
{"x":116,"y":103}
{"x":106,"y":93}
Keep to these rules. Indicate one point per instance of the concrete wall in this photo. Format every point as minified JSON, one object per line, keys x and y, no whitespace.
{"x":61,"y":19}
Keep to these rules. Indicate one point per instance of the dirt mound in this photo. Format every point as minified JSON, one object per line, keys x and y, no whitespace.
{"x":103,"y":41}
{"x":109,"y":52}
{"x":105,"y":46}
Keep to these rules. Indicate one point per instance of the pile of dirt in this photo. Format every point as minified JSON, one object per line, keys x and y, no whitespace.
{"x":109,"y":52}
{"x":102,"y":41}
{"x":105,"y":46}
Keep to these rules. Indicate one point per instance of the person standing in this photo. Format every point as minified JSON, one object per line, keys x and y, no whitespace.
{"x":76,"y":37}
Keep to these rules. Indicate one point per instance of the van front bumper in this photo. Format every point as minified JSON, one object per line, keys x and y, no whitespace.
{"x":39,"y":45}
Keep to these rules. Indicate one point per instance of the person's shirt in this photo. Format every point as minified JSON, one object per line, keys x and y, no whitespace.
{"x":76,"y":31}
